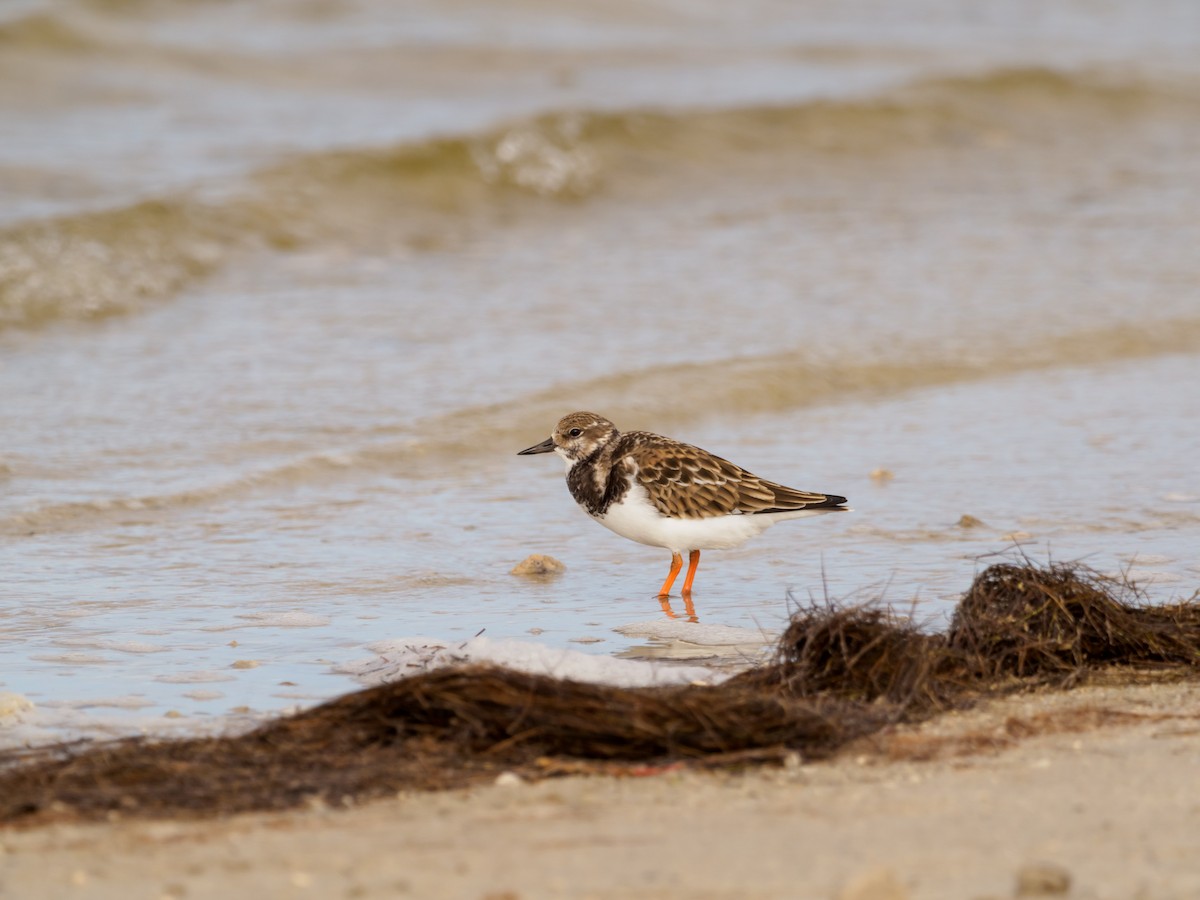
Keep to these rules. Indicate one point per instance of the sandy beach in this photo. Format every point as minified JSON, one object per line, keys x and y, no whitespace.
{"x":1088,"y":794}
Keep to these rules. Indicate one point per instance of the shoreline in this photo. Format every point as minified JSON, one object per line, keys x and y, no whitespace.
{"x":1089,"y":784}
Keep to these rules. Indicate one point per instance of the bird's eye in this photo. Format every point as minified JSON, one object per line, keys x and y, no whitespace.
{"x":575,"y":432}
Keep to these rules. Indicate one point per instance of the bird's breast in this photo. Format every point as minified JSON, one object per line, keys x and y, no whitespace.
{"x":635,"y":517}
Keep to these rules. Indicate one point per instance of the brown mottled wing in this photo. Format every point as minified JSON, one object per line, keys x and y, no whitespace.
{"x":687,"y":482}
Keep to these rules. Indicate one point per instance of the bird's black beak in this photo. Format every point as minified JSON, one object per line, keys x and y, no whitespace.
{"x":546,"y":446}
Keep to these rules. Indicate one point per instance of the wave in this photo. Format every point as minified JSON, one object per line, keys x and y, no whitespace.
{"x":431,"y":194}
{"x":670,"y":396}
{"x":72,"y":28}
{"x":102,"y":264}
{"x":42,"y":31}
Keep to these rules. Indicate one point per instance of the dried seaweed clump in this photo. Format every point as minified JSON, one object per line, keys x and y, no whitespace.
{"x":447,"y":728}
{"x":864,"y":653}
{"x":1032,"y":624}
{"x":1028,"y":622}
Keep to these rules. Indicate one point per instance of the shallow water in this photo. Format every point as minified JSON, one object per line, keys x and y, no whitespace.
{"x":266,"y":355}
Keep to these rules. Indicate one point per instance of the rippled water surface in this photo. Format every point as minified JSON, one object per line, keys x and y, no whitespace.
{"x":284,"y":287}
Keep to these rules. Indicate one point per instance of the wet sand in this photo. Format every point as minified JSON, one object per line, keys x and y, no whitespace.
{"x":1095,"y":786}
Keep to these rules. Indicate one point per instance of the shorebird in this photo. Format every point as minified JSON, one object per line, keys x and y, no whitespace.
{"x":664,"y":493}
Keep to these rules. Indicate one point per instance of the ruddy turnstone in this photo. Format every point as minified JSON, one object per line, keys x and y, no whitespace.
{"x":658,"y":491}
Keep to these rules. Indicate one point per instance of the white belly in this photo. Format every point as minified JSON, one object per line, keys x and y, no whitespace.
{"x":636,"y":518}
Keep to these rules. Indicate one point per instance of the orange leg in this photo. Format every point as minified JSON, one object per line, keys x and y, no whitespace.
{"x":676,"y":565}
{"x":693,"y":564}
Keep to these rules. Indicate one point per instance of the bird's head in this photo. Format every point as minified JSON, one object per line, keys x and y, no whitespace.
{"x":576,"y":437}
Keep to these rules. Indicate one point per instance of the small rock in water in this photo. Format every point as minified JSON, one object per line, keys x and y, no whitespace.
{"x":13,"y":704}
{"x":1042,"y":880}
{"x":538,"y":566}
{"x":882,"y":476}
{"x":969,"y":521}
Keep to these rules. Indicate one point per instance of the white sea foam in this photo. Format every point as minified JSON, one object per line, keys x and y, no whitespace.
{"x":289,"y":619}
{"x":116,"y":646}
{"x":1148,"y":559}
{"x":726,"y":646}
{"x":46,"y":725}
{"x":206,"y":676}
{"x":1144,"y":576}
{"x":402,"y":657}
{"x":267,"y":619}
{"x":698,"y":633}
{"x":124,"y":701}
{"x":71,"y":659}
{"x":204,"y":695}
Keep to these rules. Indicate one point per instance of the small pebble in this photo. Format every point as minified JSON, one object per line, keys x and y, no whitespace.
{"x":538,"y":566}
{"x":509,"y":779}
{"x":1042,"y":880}
{"x":13,"y":704}
{"x":875,"y":884}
